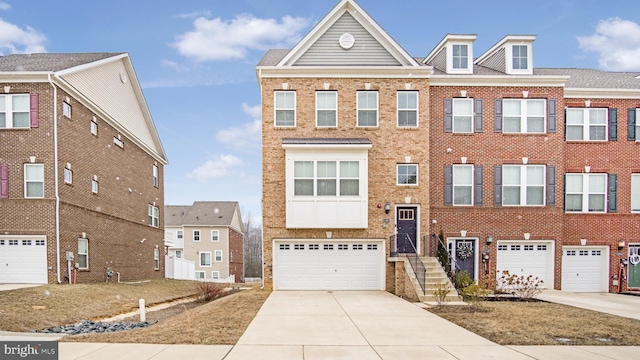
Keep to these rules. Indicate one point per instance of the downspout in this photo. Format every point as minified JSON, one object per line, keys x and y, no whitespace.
{"x":262,"y":250}
{"x":55,"y":170}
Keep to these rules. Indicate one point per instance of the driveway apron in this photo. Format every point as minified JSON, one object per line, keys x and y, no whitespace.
{"x":356,"y":325}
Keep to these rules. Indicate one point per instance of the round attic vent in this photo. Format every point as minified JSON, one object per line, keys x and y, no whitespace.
{"x":123,"y":77}
{"x":346,"y":41}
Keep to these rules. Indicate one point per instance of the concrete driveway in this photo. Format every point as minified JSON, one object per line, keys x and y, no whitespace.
{"x":5,"y":287}
{"x":357,"y":325}
{"x":610,"y":303}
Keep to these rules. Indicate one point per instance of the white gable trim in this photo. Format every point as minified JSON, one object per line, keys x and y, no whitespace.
{"x":364,"y":19}
{"x":509,"y":38}
{"x":447,"y":39}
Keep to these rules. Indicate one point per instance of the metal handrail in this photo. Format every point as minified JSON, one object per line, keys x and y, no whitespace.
{"x":453,"y":265}
{"x":416,"y":263}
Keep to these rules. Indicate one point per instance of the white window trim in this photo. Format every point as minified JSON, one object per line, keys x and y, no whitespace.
{"x":358,"y":109}
{"x":318,"y":109}
{"x":453,"y":185}
{"x":85,"y":254}
{"x":453,"y":115}
{"x":523,"y":117}
{"x":218,"y":252}
{"x":215,"y":275}
{"x":586,"y":124}
{"x":94,"y":127}
{"x":180,"y":234}
{"x":66,"y":109}
{"x":417,"y":110}
{"x":523,"y":185}
{"x":509,"y":60}
{"x":155,"y":174}
{"x":469,"y":68}
{"x":199,"y":235}
{"x":635,"y":177}
{"x":7,"y":98}
{"x":68,"y":175}
{"x":204,"y":275}
{"x":585,"y":193}
{"x":200,"y":258}
{"x":275,"y":109}
{"x":217,"y":232}
{"x":156,"y":259}
{"x":178,"y":254}
{"x":153,"y":213}
{"x":33,"y":181}
{"x":95,"y":186}
{"x":398,"y":174}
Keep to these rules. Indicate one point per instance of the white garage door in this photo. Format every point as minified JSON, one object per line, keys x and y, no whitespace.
{"x":303,"y":265}
{"x":526,"y":258}
{"x":23,"y":261}
{"x":585,"y":269}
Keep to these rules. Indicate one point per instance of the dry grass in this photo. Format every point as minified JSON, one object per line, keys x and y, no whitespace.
{"x":220,"y":322}
{"x":45,"y":306}
{"x":542,"y":323}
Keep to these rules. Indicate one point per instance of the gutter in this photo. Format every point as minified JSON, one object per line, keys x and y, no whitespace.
{"x":55,"y":169}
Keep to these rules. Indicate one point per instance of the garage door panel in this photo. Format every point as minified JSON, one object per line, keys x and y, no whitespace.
{"x":526,"y":258}
{"x":23,"y":261}
{"x":585,"y":269}
{"x":328,"y":266}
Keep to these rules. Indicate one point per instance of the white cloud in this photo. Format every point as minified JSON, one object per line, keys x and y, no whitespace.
{"x":243,"y":137}
{"x":218,"y":39}
{"x":255,"y":111}
{"x":14,"y":40}
{"x":216,"y":167}
{"x":195,"y":14}
{"x":617,"y":43}
{"x":4,"y":6}
{"x":174,"y":65}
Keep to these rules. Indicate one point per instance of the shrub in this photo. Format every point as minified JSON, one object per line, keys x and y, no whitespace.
{"x":208,"y":291}
{"x":474,"y":294}
{"x":521,"y":286}
{"x":440,"y":293}
{"x":462,"y":279}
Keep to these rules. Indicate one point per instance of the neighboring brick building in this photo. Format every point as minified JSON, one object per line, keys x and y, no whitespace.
{"x":81,"y":170}
{"x":210,"y":234}
{"x":365,"y":147}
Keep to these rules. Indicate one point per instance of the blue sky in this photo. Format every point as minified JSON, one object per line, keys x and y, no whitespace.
{"x":195,"y":60}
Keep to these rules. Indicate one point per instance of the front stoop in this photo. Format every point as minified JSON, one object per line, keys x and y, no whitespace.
{"x":435,"y":276}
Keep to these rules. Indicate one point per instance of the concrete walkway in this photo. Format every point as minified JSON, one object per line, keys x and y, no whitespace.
{"x":344,"y":325}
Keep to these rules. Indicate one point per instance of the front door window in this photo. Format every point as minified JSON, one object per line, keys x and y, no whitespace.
{"x":407,"y":226}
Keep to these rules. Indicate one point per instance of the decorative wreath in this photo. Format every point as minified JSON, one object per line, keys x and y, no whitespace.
{"x":634,"y":259}
{"x":464,"y":251}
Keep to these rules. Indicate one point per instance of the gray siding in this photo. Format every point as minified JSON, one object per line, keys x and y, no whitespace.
{"x":440,"y":60}
{"x":366,"y":50}
{"x":496,"y":61}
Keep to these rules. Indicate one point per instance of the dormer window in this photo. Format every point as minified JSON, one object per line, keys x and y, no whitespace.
{"x":519,"y":58}
{"x":460,"y":55}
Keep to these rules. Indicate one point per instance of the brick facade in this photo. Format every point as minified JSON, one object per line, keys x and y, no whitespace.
{"x":114,"y":220}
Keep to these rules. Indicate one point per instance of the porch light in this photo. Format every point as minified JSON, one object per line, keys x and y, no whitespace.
{"x":489,"y":239}
{"x":387,"y":208}
{"x":620,"y":244}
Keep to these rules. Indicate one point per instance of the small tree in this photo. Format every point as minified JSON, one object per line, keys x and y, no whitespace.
{"x":440,"y":293}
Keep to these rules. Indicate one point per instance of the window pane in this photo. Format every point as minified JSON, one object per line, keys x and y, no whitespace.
{"x":574,"y":183}
{"x":511,"y":175}
{"x":596,"y":202}
{"x":535,"y":195}
{"x":326,"y":169}
{"x":327,"y":118}
{"x":367,"y":117}
{"x":82,"y":246}
{"x":407,"y":100}
{"x":35,"y":172}
{"x":367,"y":100}
{"x":303,"y":187}
{"x":35,"y":189}
{"x":512,"y":107}
{"x":349,"y":187}
{"x":462,"y":175}
{"x":635,"y":192}
{"x":82,"y":261}
{"x":462,"y":124}
{"x":574,"y":132}
{"x":575,"y":116}
{"x":535,"y":124}
{"x":573,"y":202}
{"x":21,"y":120}
{"x":511,"y":125}
{"x":407,"y":118}
{"x":3,"y":120}
{"x":535,"y":175}
{"x":597,"y":184}
{"x":597,"y":133}
{"x":303,"y":169}
{"x":407,"y":174}
{"x":462,"y":195}
{"x":349,"y":169}
{"x":511,"y":195}
{"x":598,"y":116}
{"x":285,"y":118}
{"x":326,"y":187}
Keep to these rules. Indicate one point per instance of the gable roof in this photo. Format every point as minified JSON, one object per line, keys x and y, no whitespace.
{"x":106,"y":83}
{"x":349,"y":15}
{"x":205,"y":213}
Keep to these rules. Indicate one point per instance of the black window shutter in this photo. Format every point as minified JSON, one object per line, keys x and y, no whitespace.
{"x":551,"y":115}
{"x":613,"y":124}
{"x":497,"y":185}
{"x":497,"y":115}
{"x":631,"y":124}
{"x":478,"y":121}
{"x":564,"y":192}
{"x":551,"y":185}
{"x":565,"y":124}
{"x":448,"y":185}
{"x":613,"y":193}
{"x":448,"y":115}
{"x":477,"y":188}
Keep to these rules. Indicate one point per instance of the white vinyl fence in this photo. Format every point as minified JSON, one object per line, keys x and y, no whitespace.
{"x":180,"y":269}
